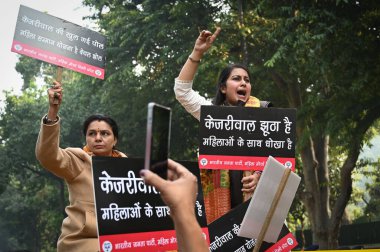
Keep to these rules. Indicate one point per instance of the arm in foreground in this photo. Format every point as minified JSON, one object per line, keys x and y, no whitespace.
{"x":179,"y":193}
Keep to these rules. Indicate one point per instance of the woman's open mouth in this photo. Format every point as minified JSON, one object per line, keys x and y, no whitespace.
{"x":241,"y":94}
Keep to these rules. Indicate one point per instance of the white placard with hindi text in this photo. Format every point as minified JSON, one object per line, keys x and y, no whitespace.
{"x":262,"y":199}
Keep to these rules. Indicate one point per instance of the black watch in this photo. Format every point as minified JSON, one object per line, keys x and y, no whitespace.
{"x":46,"y":120}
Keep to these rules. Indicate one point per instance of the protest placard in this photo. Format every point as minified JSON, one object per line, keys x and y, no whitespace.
{"x":224,"y":234}
{"x":270,"y":203}
{"x":130,"y":214}
{"x":59,"y":42}
{"x":239,"y":138}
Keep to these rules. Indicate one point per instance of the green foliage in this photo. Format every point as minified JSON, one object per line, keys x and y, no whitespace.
{"x":326,"y":57}
{"x":318,"y":56}
{"x":28,"y":193}
{"x":29,"y":69}
{"x":155,"y":37}
{"x":372,"y":200}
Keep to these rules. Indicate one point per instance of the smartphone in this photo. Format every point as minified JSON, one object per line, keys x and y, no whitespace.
{"x":157,"y":144}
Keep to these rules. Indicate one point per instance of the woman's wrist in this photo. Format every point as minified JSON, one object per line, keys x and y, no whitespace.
{"x":195,"y":56}
{"x":48,"y":120}
{"x":52,"y":113}
{"x":194,"y":60}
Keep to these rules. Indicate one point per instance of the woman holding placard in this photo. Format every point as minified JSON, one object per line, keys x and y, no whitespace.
{"x":222,"y":188}
{"x":79,"y":231}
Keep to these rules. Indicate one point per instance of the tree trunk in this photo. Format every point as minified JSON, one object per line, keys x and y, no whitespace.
{"x":314,"y":199}
{"x":325,"y":222}
{"x":303,"y":239}
{"x":314,"y":163}
{"x":322,"y":206}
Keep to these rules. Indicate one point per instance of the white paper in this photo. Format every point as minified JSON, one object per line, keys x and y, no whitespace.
{"x":262,"y":199}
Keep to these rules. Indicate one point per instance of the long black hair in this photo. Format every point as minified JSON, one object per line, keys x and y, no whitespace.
{"x":220,"y":98}
{"x":99,"y":117}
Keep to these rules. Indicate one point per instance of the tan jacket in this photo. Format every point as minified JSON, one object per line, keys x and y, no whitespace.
{"x":78,"y":232}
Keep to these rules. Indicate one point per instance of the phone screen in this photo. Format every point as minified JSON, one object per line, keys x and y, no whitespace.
{"x":158,"y":139}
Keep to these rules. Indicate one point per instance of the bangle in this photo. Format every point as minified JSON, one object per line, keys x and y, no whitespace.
{"x":46,"y":120}
{"x":193,"y":60}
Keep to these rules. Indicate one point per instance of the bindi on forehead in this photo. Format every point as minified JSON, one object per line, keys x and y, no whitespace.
{"x":100,"y":129}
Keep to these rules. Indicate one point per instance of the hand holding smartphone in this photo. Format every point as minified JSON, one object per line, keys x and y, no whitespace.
{"x":157,"y":139}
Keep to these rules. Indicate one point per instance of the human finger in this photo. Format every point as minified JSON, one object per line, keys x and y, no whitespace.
{"x":176,"y":170}
{"x":217,"y":31}
{"x":51,"y":93}
{"x":213,"y":36}
{"x":55,"y":89}
{"x":55,"y":85}
{"x":182,"y":175}
{"x":152,"y":179}
{"x":249,"y":190}
{"x":247,"y":179}
{"x":248,"y":185}
{"x":204,"y":32}
{"x":55,"y":93}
